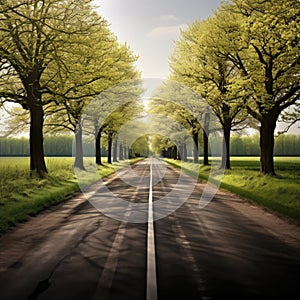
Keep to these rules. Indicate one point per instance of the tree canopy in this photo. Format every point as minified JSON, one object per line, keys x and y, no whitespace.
{"x":56,"y":53}
{"x":246,"y":56}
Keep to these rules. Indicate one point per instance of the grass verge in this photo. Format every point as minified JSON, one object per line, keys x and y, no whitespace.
{"x":280,"y":194}
{"x":22,"y":196}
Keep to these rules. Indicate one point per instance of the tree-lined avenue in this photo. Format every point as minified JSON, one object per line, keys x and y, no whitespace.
{"x":72,"y":251}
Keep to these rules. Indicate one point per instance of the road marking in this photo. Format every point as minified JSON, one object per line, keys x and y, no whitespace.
{"x":105,"y":281}
{"x":151,"y":261}
{"x":186,"y":246}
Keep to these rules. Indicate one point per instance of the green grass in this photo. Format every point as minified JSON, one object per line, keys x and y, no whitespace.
{"x":22,"y":196}
{"x":280,"y":194}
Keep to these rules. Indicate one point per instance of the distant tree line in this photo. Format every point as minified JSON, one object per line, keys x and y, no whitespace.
{"x":285,"y":145}
{"x":53,"y":146}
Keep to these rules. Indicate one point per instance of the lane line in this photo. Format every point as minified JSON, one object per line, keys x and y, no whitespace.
{"x":151,"y":260}
{"x":105,"y":281}
{"x":186,"y":246}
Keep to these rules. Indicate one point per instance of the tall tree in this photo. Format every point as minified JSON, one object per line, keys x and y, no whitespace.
{"x":261,"y":38}
{"x":185,"y":119}
{"x":113,"y":108}
{"x":211,"y":76}
{"x":184,"y":105}
{"x":116,"y":120}
{"x":98,"y":64}
{"x":35,"y":38}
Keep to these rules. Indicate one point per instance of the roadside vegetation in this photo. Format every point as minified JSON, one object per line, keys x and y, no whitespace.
{"x":23,"y":196}
{"x":280,"y":194}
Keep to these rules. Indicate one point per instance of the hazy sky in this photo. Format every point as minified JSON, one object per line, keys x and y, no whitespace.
{"x":150,"y":27}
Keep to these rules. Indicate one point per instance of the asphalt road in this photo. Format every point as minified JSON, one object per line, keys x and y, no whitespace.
{"x":73,"y":251}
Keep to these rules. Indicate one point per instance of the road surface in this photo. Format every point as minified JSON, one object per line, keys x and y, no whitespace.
{"x":228,"y":250}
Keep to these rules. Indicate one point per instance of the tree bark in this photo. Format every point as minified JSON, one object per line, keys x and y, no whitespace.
{"x":267,"y":128}
{"x":36,"y":141}
{"x":125,"y":152}
{"x":121,"y":154}
{"x":130,"y":154}
{"x":205,"y":138}
{"x":169,"y":152}
{"x":184,"y":152}
{"x":179,"y":152}
{"x":195,"y":152}
{"x":78,"y":149}
{"x":109,"y":147}
{"x":115,"y":149}
{"x":174,"y":152}
{"x":205,"y":148}
{"x":98,"y":148}
{"x":226,"y":145}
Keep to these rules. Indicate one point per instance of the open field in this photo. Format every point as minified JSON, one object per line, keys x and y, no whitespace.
{"x":281,"y":194}
{"x":22,"y":196}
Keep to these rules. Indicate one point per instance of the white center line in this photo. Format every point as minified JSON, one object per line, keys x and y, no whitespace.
{"x":151,"y":261}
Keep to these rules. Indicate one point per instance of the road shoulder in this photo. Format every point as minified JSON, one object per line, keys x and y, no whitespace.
{"x":279,"y":227}
{"x":285,"y":230}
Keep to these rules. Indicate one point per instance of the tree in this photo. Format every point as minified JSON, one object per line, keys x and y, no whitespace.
{"x":211,"y":76}
{"x":140,"y":147}
{"x":167,"y":134}
{"x":115,"y":121}
{"x":36,"y":37}
{"x":261,"y":38}
{"x":111,"y":109}
{"x":184,"y":105}
{"x":290,"y":117}
{"x":99,"y":64}
{"x":15,"y":121}
{"x":162,"y":145}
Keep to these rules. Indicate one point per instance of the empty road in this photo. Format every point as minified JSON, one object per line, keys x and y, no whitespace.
{"x":157,"y":247}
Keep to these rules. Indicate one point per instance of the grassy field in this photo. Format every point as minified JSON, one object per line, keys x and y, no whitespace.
{"x":281,"y":194}
{"x":22,"y":196}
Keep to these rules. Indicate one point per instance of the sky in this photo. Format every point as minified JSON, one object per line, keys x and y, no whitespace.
{"x":150,"y":27}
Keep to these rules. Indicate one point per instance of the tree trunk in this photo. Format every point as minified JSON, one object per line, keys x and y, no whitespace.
{"x":36,"y":141}
{"x":78,"y":148}
{"x":195,"y":152}
{"x":109,"y":146}
{"x":179,"y":152}
{"x":174,"y":152}
{"x":184,"y":152}
{"x":115,"y":149}
{"x":205,"y":138}
{"x":226,"y":145}
{"x":130,"y":153}
{"x":121,"y":155}
{"x":98,"y":148}
{"x":125,"y":152}
{"x":168,"y":153}
{"x":205,"y":148}
{"x":267,"y":128}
